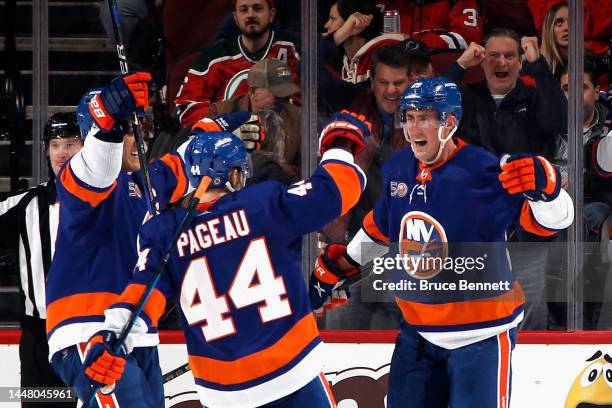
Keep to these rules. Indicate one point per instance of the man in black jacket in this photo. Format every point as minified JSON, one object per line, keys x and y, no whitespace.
{"x":508,"y":114}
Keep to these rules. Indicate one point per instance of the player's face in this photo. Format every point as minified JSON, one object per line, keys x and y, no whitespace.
{"x":334,"y":21}
{"x":129,"y":160}
{"x":501,"y":64}
{"x":60,"y":150}
{"x":421,"y":130}
{"x":561,"y":27}
{"x":253,"y":17}
{"x":590,"y":93}
{"x":388,"y":85}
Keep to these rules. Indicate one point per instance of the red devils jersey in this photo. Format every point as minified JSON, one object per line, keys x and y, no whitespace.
{"x":358,"y":68}
{"x":440,"y":23}
{"x":597,"y":21}
{"x":220,"y":72}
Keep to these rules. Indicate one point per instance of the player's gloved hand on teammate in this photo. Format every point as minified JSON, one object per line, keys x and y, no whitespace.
{"x":243,"y":124}
{"x":101,"y":365}
{"x":326,"y":279}
{"x":227,"y":122}
{"x":123,"y":95}
{"x":252,"y":133}
{"x":533,"y":176}
{"x":345,"y":127}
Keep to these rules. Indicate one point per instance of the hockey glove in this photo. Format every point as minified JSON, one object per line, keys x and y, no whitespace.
{"x":532,"y":175}
{"x":252,"y":133}
{"x":326,"y":278}
{"x":101,"y":364}
{"x":122,"y":96}
{"x":345,"y":126}
{"x":227,"y":122}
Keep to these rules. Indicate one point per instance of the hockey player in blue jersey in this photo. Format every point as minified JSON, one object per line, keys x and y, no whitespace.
{"x":101,"y":211}
{"x":236,"y":272}
{"x":439,"y":196}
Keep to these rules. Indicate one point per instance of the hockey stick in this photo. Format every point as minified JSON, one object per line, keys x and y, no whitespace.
{"x":177,"y":372}
{"x":204,"y":183}
{"x":149,"y":196}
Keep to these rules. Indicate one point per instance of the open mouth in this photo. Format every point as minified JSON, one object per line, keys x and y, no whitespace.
{"x":420,"y":143}
{"x":589,"y":405}
{"x":501,"y":75}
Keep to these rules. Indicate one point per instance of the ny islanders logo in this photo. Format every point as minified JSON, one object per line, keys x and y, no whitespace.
{"x":422,"y":244}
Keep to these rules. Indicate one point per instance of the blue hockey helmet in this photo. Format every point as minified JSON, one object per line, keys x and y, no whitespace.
{"x":214,"y":154}
{"x":83,"y":116}
{"x":438,"y":93}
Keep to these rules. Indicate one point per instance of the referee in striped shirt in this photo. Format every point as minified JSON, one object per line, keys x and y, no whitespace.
{"x":30,"y":217}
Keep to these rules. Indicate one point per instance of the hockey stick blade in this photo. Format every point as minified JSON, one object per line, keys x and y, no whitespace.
{"x":193,"y":202}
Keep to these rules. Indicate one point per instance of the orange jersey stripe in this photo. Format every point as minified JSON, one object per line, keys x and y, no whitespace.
{"x":450,"y":314}
{"x":83,"y":304}
{"x":258,"y":364}
{"x":370,"y":227}
{"x":176,"y":166}
{"x":529,"y":223}
{"x":92,"y":197}
{"x":154,"y":307}
{"x":348,"y":183}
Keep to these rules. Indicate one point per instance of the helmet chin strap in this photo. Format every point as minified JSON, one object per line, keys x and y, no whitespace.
{"x":443,"y":142}
{"x":243,"y":179}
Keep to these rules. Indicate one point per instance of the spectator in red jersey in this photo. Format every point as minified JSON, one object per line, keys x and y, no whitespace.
{"x":356,"y":26}
{"x":440,"y":24}
{"x":597,"y":21}
{"x":220,"y":71}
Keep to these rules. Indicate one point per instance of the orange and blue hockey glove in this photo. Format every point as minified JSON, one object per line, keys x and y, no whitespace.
{"x":345,"y":126}
{"x":533,"y":176}
{"x":123,"y":95}
{"x":243,"y":124}
{"x":326,"y":278}
{"x":101,"y":365}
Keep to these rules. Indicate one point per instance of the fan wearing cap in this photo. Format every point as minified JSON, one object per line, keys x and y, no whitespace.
{"x":220,"y":71}
{"x":270,"y":86}
{"x":29,"y":219}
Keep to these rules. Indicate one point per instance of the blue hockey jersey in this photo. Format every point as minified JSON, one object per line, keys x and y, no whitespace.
{"x":96,"y":249}
{"x":236,"y":272}
{"x":452,"y":211}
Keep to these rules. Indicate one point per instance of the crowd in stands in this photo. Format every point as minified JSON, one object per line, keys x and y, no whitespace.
{"x":223,"y":56}
{"x":512,"y":84}
{"x":216,"y":57}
